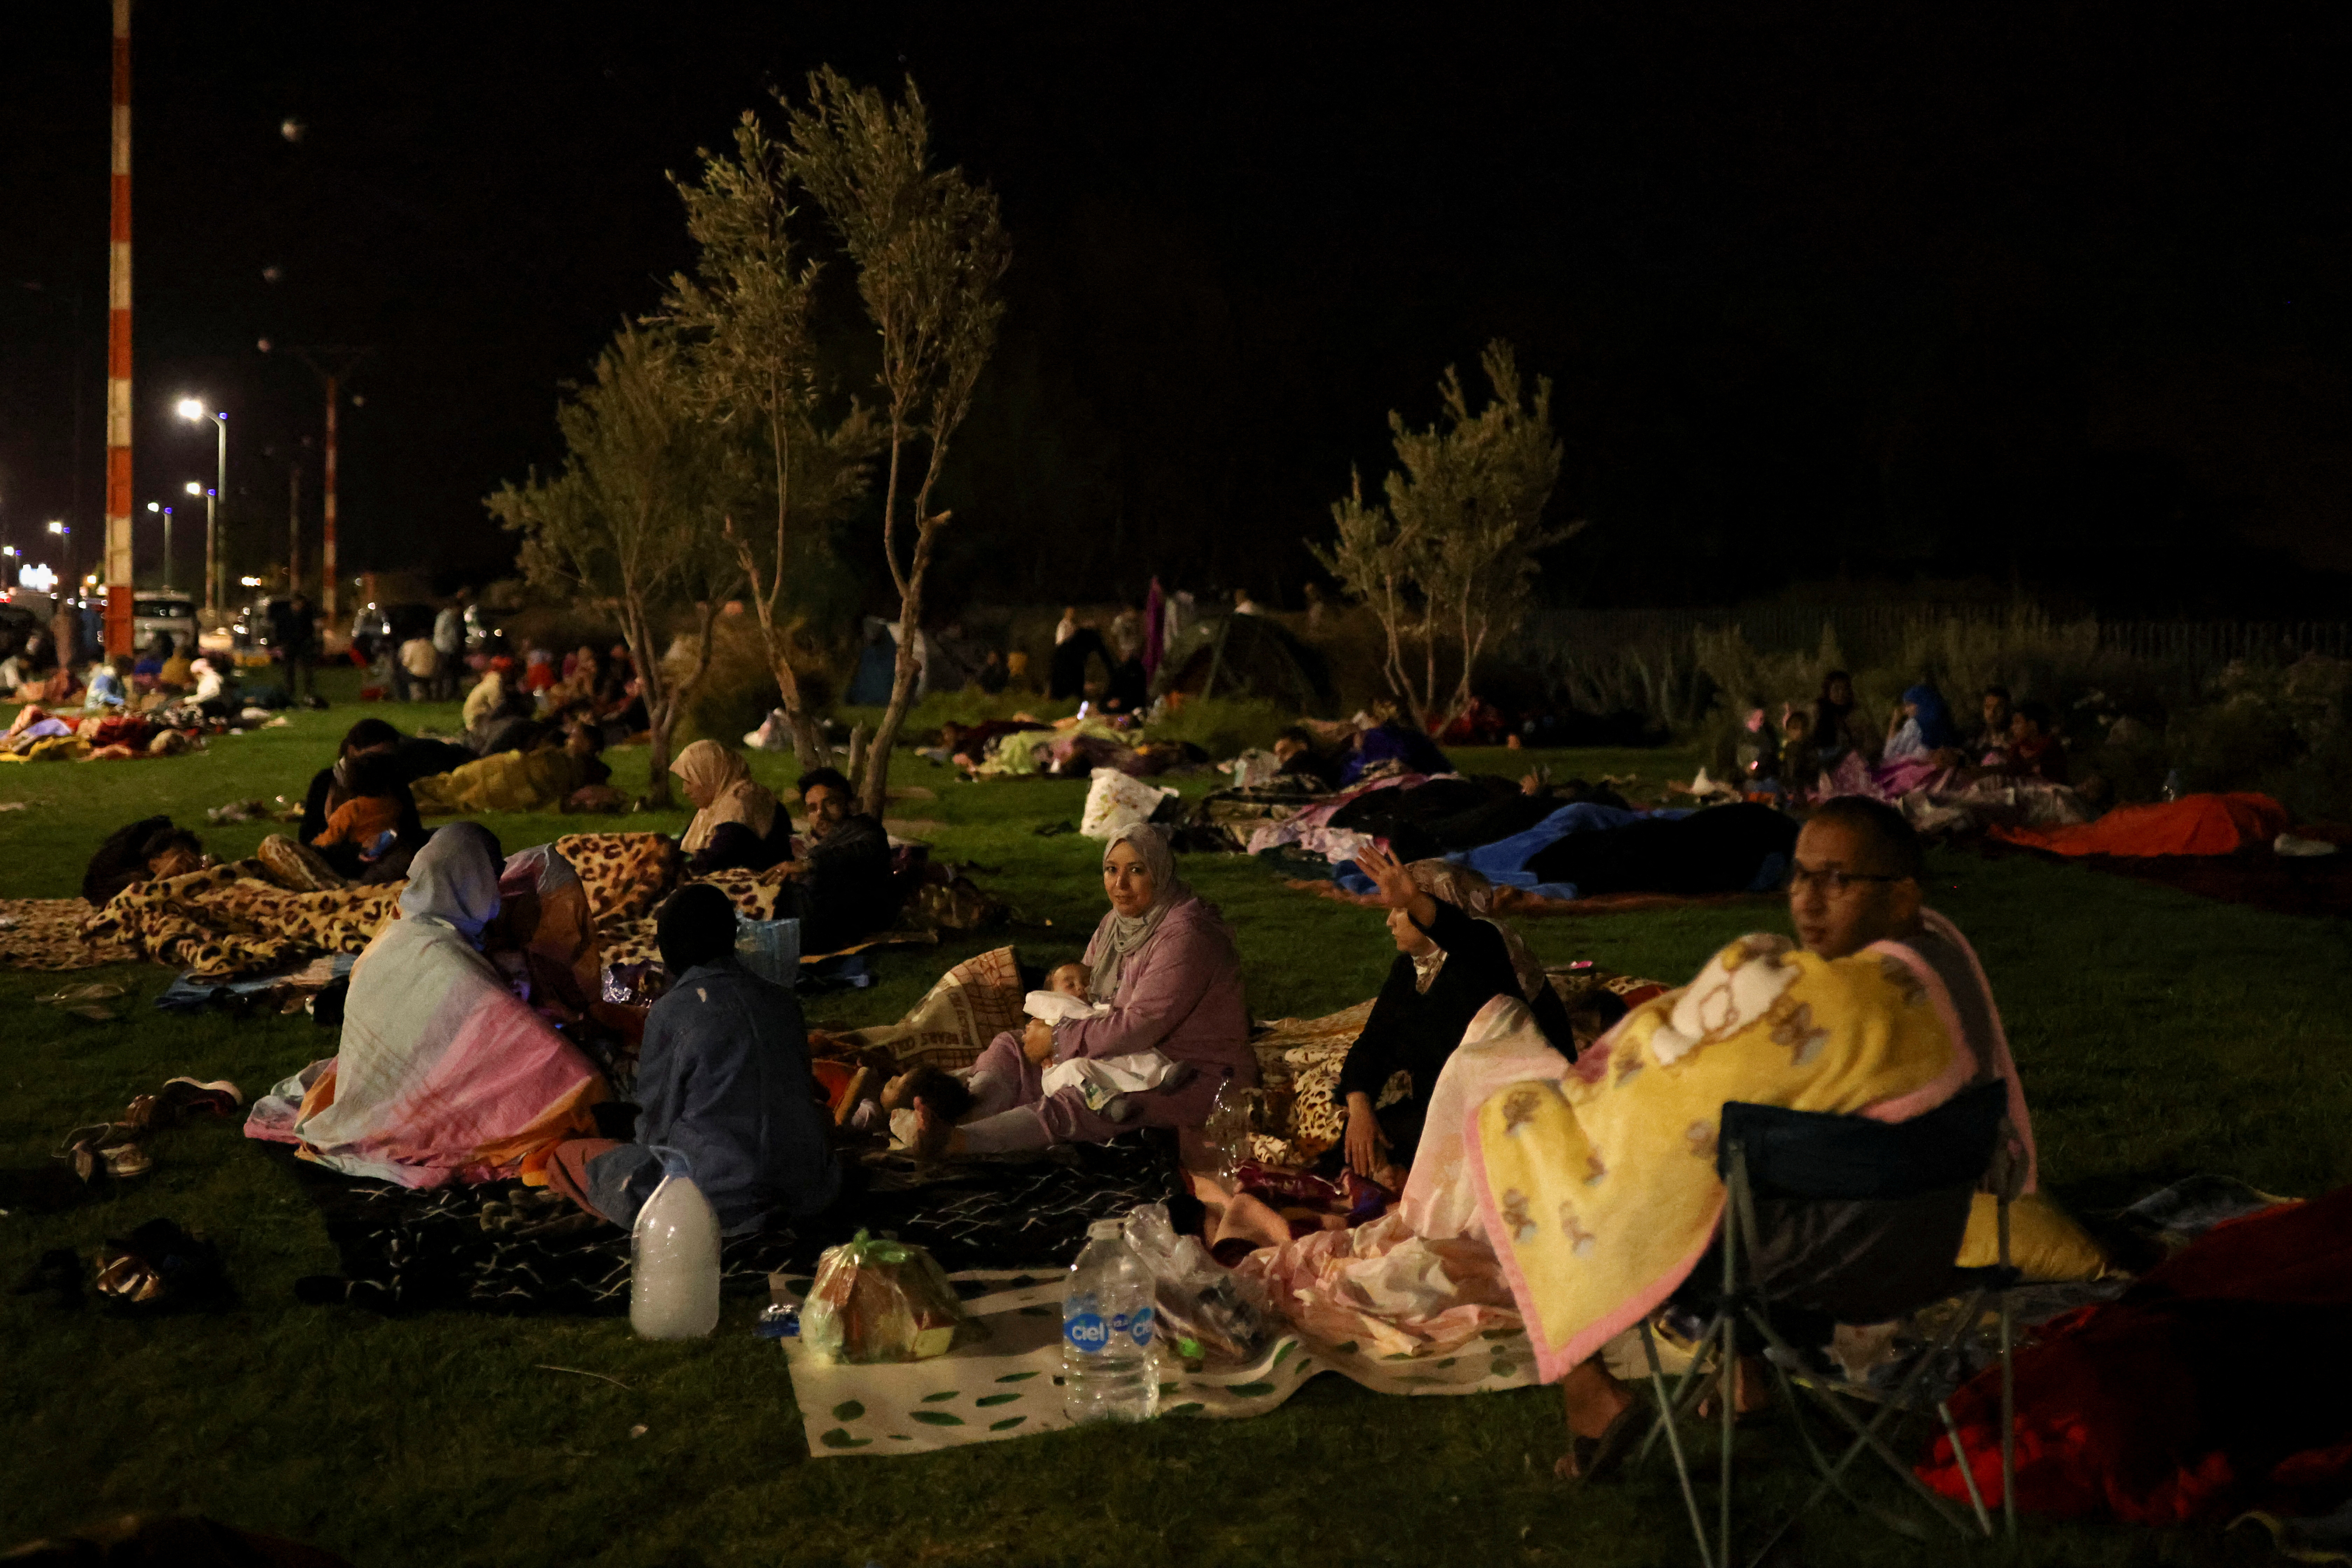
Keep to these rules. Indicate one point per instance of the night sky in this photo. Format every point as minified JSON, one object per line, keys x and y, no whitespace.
{"x":2051,"y":297}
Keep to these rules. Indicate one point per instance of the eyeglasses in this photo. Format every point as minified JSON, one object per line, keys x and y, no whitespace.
{"x":1834,"y":882}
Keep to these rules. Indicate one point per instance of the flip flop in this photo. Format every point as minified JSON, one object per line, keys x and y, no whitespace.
{"x":1590,"y":1459}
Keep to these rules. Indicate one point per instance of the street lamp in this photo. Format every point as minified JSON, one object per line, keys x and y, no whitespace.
{"x":195,"y":413}
{"x":159,"y":506}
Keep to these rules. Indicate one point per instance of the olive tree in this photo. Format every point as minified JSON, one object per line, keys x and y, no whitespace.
{"x":1452,"y":555}
{"x":634,"y":521}
{"x":928,"y":251}
{"x":752,"y":364}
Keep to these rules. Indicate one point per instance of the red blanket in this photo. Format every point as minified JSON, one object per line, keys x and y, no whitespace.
{"x":2193,"y":825}
{"x":2223,"y":1381}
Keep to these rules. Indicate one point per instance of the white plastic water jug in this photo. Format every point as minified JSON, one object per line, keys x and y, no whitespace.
{"x":674,"y":1257}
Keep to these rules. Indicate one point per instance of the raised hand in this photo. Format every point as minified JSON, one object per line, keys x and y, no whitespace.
{"x":1396,"y":889}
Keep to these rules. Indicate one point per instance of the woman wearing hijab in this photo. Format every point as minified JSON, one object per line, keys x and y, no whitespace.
{"x":725,"y":1080}
{"x":736,"y":820}
{"x":1922,"y":725}
{"x":1453,"y":958}
{"x":1163,"y":960}
{"x":442,"y":1073}
{"x":1838,"y":726}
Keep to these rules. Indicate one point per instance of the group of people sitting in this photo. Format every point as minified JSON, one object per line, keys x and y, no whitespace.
{"x":449,"y":1068}
{"x":1922,"y":740}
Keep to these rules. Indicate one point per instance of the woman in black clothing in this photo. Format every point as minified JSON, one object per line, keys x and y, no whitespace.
{"x":1451,"y":962}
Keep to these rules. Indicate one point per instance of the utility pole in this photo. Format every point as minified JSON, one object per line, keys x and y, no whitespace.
{"x":333,"y":363}
{"x":119,"y":587}
{"x":294,"y":523}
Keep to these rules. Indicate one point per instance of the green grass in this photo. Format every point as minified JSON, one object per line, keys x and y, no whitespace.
{"x":2159,"y":1036}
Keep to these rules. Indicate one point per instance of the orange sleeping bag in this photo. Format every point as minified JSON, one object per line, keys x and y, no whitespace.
{"x":2193,"y":825}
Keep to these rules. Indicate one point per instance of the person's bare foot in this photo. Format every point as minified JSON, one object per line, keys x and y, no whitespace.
{"x":1594,"y":1400}
{"x":1754,"y":1390}
{"x":1250,"y":1219}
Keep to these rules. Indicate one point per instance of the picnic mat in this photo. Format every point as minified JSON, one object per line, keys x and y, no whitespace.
{"x":1009,"y":1384}
{"x":503,"y":1248}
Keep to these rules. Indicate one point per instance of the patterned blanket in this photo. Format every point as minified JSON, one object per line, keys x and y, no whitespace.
{"x":251,"y":917}
{"x":1599,"y":1191}
{"x":500,"y":1247}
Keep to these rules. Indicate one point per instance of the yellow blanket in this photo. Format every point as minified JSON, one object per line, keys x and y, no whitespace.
{"x":510,"y":781}
{"x":1599,"y":1192}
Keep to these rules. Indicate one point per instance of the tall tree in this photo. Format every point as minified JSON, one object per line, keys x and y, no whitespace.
{"x":635,"y":519}
{"x":752,"y":364}
{"x":930,"y":252}
{"x":1453,"y":555}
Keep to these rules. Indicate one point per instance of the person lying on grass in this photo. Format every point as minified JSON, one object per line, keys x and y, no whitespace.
{"x":1600,"y":1190}
{"x":1164,"y":961}
{"x":724,"y":1079}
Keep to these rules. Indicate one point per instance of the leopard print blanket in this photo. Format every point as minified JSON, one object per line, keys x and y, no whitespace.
{"x":249,"y":917}
{"x":1299,"y":1062}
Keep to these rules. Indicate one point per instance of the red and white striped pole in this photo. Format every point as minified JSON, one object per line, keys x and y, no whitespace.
{"x":326,"y":565}
{"x":118,"y":354}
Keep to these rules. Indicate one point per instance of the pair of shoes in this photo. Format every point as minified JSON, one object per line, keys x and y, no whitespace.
{"x":107,"y":1145}
{"x":1590,"y":1460}
{"x":161,"y":1268}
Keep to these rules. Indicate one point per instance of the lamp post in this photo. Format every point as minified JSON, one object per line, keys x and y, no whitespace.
{"x":157,"y":506}
{"x":195,"y":413}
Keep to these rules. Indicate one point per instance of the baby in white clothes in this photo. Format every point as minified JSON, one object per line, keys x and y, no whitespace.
{"x":1100,"y":1080}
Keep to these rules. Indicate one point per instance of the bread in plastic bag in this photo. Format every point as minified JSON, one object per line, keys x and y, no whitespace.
{"x":878,"y":1299}
{"x":1206,"y":1312}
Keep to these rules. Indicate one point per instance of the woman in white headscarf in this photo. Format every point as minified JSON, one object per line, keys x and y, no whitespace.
{"x":1164,"y":962}
{"x":734,"y":817}
{"x":1453,"y":958}
{"x":443,"y":1074}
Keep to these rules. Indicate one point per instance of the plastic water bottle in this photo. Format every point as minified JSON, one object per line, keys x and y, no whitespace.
{"x":1226,"y":1129}
{"x":1108,"y":1370}
{"x":674,"y":1257}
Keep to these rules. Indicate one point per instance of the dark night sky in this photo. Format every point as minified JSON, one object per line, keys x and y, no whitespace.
{"x":2051,"y":295}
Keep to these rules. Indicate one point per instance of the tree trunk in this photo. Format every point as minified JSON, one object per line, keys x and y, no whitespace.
{"x":874,"y":779}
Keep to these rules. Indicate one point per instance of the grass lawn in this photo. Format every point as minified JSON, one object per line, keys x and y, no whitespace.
{"x":2159,"y":1036}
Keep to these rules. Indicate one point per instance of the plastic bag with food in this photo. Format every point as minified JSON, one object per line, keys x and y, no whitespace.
{"x":878,"y":1299}
{"x":1206,"y":1312}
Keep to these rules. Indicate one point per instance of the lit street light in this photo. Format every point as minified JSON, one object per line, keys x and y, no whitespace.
{"x":194,"y":412}
{"x":159,"y":506}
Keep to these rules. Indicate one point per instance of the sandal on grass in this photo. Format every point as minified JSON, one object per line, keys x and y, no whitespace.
{"x":1590,"y":1460}
{"x":105,"y":1145}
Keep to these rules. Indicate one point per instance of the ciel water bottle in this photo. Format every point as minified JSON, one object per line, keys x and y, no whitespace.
{"x":1108,"y":1369}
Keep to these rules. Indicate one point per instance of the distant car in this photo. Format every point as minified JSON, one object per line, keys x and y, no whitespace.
{"x":172,"y":615}
{"x":255,"y":630}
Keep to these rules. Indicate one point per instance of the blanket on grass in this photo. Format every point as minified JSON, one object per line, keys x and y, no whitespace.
{"x":2193,"y":825}
{"x":2219,"y":1381}
{"x":243,"y":916}
{"x":1599,"y":1191}
{"x":1009,"y":1384}
{"x":507,"y":1249}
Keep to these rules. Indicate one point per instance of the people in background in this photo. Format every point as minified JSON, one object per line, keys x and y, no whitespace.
{"x":299,"y":645}
{"x":147,"y":850}
{"x":1993,"y":733}
{"x":841,"y":884}
{"x":1839,"y":726}
{"x":1304,"y":761}
{"x":109,"y":691}
{"x":1921,"y":726}
{"x":737,"y":823}
{"x":415,"y":671}
{"x":2034,"y":749}
{"x":415,"y":757}
{"x":448,"y":646}
{"x":376,"y":823}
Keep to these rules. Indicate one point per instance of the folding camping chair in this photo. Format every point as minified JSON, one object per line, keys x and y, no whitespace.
{"x":1857,"y":1221}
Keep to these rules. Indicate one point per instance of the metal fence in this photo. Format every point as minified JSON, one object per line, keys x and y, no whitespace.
{"x":1871,"y":633}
